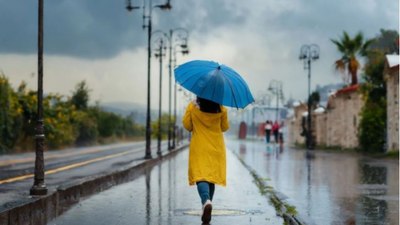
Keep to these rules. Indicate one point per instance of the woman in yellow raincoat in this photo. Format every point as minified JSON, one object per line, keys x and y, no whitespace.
{"x":207,"y":121}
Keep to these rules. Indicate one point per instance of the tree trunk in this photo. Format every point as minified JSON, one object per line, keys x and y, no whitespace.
{"x":354,"y":79}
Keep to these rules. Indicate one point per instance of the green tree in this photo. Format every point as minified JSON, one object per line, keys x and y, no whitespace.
{"x":130,"y":128}
{"x":87,"y":128}
{"x":59,"y":127}
{"x":387,"y":41}
{"x":164,"y":127}
{"x":350,"y":48}
{"x":314,"y":98}
{"x":28,"y":101}
{"x":80,"y":96}
{"x":108,"y":123}
{"x":10,"y":116}
{"x":372,"y":126}
{"x":66,"y":121}
{"x":373,"y":115}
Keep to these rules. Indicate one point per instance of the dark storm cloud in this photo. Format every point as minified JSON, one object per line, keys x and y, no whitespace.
{"x":333,"y":17}
{"x":100,"y":28}
{"x":75,"y":28}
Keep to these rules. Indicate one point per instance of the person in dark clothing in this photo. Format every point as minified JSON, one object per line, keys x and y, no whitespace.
{"x":268,"y":127}
{"x":275,"y":131}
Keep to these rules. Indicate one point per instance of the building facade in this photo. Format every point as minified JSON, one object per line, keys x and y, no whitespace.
{"x":392,"y":97}
{"x":294,"y":124}
{"x":343,"y":117}
{"x":337,"y":126}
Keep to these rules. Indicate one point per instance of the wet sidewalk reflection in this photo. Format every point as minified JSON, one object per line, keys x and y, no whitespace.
{"x":328,"y":188}
{"x":162,"y":196}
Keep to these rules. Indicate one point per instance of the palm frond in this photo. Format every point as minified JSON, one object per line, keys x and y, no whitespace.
{"x":339,"y":46}
{"x":365,"y":46}
{"x":340,"y":66}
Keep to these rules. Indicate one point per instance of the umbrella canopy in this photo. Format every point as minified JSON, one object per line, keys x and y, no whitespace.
{"x":215,"y":82}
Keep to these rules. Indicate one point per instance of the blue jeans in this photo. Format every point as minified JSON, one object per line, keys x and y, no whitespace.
{"x":206,"y":191}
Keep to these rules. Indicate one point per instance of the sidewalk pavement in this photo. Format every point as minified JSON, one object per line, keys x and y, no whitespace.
{"x":162,"y":196}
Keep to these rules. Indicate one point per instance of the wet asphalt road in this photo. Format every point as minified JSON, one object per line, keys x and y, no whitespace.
{"x":162,"y":196}
{"x":331,"y":188}
{"x":69,"y":166}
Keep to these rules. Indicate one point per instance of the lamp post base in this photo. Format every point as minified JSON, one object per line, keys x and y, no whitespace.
{"x":148,"y":156}
{"x":309,"y":154}
{"x":38,"y":189}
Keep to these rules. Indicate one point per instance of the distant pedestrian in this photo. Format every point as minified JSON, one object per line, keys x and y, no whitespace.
{"x":207,"y":121}
{"x":280,"y":133}
{"x":268,"y":127}
{"x":275,"y":131}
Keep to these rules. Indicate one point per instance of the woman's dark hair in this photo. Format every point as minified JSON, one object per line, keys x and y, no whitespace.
{"x":208,"y":106}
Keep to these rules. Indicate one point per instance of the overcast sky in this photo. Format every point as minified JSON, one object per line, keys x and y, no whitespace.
{"x":101,"y":42}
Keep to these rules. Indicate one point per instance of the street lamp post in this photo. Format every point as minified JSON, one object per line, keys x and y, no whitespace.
{"x":182,"y":38}
{"x":276,"y":88}
{"x":39,"y":186}
{"x":184,"y":50}
{"x":160,"y":55}
{"x":129,"y":7}
{"x":309,"y":53}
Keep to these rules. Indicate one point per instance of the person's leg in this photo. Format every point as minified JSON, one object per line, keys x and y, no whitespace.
{"x":203,"y":188}
{"x":212,"y":190}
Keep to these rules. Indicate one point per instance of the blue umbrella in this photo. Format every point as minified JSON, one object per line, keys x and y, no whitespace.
{"x":215,"y":82}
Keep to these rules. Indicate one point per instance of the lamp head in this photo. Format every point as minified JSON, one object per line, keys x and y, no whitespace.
{"x":129,"y":6}
{"x":302,"y":56}
{"x":166,"y":6}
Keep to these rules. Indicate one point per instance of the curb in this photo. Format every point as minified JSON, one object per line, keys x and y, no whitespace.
{"x":40,"y":210}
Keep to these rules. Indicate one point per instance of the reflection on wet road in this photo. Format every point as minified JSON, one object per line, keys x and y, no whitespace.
{"x":329,"y":188}
{"x":162,"y":196}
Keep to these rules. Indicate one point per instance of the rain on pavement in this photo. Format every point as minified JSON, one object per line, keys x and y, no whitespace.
{"x":330,"y":188}
{"x":162,"y":196}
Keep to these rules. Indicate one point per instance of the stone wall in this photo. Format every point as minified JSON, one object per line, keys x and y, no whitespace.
{"x":320,"y":128}
{"x":294,"y":125}
{"x":337,"y":126}
{"x":343,"y":118}
{"x":392,"y":85}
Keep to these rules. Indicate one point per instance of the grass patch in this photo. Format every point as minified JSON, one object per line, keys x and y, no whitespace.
{"x":392,"y":154}
{"x":384,"y":155}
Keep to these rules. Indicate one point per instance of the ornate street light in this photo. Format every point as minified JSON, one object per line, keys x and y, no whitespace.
{"x":147,"y":16}
{"x":276,"y":88}
{"x":309,"y":53}
{"x":184,"y":51}
{"x":160,"y":53}
{"x":39,"y":186}
{"x":178,"y":36}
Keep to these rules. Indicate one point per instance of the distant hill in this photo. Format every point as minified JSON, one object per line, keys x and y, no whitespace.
{"x":138,"y":111}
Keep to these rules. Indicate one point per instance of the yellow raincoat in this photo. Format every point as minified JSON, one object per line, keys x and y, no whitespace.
{"x":207,"y":156}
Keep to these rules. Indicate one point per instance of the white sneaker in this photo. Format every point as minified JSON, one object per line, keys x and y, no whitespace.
{"x":207,"y":208}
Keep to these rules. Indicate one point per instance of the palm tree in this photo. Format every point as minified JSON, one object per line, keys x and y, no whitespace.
{"x":350,"y":49}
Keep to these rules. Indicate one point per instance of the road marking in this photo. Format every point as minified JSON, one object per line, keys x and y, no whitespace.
{"x":32,"y":159}
{"x":23,"y":177}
